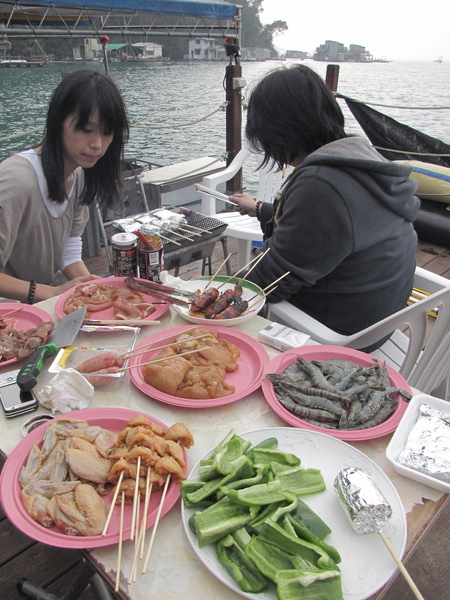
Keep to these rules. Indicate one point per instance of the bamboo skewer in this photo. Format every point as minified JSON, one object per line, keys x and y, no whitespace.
{"x":190,"y":232}
{"x":216,"y":273}
{"x":259,"y":299}
{"x":113,"y":503}
{"x":135,"y":499}
{"x":127,"y":322}
{"x":119,"y":553}
{"x":197,"y":228}
{"x":169,"y":240}
{"x":155,"y":526}
{"x":142,"y":351}
{"x":157,"y":360}
{"x":179,"y":235}
{"x":2,"y":316}
{"x":256,"y":262}
{"x":139,"y":550}
{"x":258,"y":258}
{"x":268,"y":287}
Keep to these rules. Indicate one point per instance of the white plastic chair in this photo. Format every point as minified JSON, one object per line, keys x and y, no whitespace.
{"x":246,"y":229}
{"x":413,"y":355}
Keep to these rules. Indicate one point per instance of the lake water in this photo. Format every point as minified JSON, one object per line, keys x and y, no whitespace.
{"x":159,"y":96}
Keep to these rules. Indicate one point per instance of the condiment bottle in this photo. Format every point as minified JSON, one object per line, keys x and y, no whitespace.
{"x":150,"y":254}
{"x":124,"y":250}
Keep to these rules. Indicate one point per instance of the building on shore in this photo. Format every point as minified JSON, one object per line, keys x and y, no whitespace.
{"x":332,"y":51}
{"x":298,"y":54}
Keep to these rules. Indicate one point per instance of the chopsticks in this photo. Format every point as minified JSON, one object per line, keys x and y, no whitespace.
{"x":130,"y":322}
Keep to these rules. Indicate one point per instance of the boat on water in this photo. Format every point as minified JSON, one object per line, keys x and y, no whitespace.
{"x":22,"y":63}
{"x":439,"y":60}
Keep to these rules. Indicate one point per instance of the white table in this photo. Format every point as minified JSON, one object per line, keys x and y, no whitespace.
{"x":174,"y":570}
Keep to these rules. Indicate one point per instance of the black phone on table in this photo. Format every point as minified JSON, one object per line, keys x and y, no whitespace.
{"x":13,"y":400}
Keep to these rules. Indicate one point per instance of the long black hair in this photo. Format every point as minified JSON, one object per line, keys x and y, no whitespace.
{"x":292,"y":112}
{"x":81,"y":93}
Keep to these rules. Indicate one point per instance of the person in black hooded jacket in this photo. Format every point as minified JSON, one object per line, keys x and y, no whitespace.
{"x":342,"y":222}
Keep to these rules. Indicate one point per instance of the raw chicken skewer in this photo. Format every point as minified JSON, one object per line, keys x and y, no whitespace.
{"x":368,"y":511}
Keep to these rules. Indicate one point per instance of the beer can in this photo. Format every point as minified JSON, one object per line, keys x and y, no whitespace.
{"x":124,"y":250}
{"x":151,"y":255}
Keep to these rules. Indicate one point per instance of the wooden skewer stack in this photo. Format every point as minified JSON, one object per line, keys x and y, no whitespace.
{"x":139,"y":517}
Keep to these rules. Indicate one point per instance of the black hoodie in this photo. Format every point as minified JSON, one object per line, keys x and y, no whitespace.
{"x":342,"y":226}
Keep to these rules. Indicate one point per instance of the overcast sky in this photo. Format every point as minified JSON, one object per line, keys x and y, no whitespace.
{"x":392,"y":29}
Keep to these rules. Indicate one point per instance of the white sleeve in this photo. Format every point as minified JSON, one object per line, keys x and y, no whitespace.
{"x":72,"y":252}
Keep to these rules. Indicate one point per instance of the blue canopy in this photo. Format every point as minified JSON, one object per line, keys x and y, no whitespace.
{"x":196,"y":8}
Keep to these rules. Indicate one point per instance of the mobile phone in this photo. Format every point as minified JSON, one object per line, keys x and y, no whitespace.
{"x":15,"y":401}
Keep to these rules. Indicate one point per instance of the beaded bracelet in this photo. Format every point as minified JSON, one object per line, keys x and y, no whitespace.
{"x":257,"y":207}
{"x":31,"y":292}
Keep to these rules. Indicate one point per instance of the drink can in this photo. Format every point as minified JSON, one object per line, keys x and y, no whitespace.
{"x":124,"y":250}
{"x":151,"y":255}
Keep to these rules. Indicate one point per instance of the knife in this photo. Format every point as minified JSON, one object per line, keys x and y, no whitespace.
{"x":63,"y":335}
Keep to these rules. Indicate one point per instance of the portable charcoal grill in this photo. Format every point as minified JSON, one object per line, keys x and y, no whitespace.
{"x":199,"y":246}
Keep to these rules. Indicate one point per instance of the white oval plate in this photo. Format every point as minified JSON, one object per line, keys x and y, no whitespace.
{"x":366,"y":563}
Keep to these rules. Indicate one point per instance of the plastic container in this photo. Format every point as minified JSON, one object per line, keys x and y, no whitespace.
{"x":400,"y":437}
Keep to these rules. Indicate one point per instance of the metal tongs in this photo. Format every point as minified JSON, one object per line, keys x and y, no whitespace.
{"x":161,"y":291}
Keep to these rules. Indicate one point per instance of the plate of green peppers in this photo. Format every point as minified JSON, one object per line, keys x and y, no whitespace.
{"x":260,"y":512}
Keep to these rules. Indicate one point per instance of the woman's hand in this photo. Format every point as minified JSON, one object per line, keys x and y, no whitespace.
{"x":60,"y":289}
{"x":245,"y":204}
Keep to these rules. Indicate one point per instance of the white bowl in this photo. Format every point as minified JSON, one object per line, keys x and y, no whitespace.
{"x":400,"y":438}
{"x":250,"y":293}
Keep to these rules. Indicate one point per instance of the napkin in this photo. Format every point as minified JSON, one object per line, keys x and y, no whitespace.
{"x":67,"y":391}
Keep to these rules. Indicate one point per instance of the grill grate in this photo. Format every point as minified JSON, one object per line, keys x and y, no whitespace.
{"x":212,"y":228}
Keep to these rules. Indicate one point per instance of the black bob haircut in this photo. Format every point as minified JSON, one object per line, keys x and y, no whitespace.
{"x":292,"y":112}
{"x":80,"y":93}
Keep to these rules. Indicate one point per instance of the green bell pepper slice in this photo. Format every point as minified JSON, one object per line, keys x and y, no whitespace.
{"x":309,"y":585}
{"x":268,"y":559}
{"x":219,"y":520}
{"x":240,"y":566}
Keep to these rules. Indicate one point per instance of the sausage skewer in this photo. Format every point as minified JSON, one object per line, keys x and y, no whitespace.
{"x":205,"y":299}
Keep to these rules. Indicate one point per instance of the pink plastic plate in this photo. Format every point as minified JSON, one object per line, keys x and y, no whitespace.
{"x":25,"y":318}
{"x":281,"y":362}
{"x":114,"y":419}
{"x":246,"y":379}
{"x":108,"y":313}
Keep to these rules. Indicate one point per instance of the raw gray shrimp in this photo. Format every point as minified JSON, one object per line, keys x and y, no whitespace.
{"x":304,"y":411}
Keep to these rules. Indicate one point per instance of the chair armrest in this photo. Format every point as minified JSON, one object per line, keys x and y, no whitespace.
{"x":428,"y":281}
{"x":213,"y":180}
{"x":287,"y":314}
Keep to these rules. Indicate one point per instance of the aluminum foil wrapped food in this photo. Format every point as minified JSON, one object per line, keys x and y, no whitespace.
{"x":427,"y":448}
{"x":362,"y":500}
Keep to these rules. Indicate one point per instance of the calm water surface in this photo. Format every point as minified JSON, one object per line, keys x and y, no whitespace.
{"x":159,"y":97}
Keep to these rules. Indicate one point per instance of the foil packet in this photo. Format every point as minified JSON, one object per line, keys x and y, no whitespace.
{"x":427,"y":447}
{"x":362,"y":500}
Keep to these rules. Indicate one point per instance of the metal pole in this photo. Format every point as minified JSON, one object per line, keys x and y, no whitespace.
{"x":104,"y":41}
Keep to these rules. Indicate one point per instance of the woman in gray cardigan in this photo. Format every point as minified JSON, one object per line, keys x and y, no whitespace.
{"x":45,"y":191}
{"x":342,"y":223}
